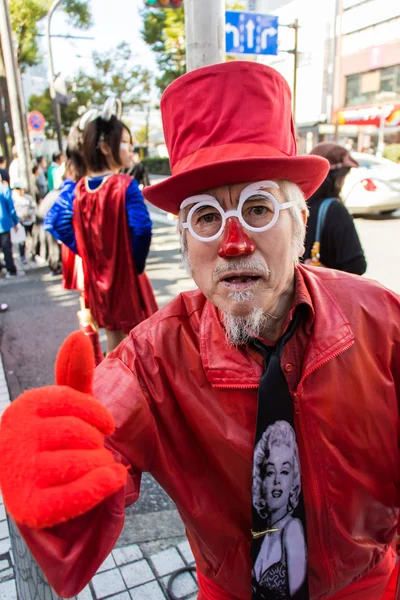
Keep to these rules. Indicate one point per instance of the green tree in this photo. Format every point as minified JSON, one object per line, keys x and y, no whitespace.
{"x":25,"y":15}
{"x":114,"y":75}
{"x":141,"y":136}
{"x":164,"y":31}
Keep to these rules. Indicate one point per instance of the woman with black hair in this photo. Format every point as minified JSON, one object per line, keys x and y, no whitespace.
{"x":110,"y":228}
{"x":339,"y":246}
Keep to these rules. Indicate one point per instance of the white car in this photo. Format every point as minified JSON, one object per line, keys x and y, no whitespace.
{"x":372,"y":188}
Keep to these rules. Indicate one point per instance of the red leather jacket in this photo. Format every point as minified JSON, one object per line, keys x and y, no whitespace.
{"x":185,"y":408}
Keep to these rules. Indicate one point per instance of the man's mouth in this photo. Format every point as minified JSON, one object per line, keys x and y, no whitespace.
{"x":239,"y":281}
{"x":277,"y":493}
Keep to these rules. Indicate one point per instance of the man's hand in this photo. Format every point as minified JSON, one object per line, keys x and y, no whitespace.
{"x":16,"y":227}
{"x":53,"y":464}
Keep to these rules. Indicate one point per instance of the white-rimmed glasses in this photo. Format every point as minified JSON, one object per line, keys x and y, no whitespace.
{"x":258,"y":210}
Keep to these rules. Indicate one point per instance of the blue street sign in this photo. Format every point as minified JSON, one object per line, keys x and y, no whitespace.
{"x":251,"y":33}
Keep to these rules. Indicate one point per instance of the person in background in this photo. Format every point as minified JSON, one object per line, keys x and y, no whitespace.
{"x":53,"y":172}
{"x":35,"y":173}
{"x":25,"y":207}
{"x":41,"y":176}
{"x":340,"y":246}
{"x":72,"y":270}
{"x":14,"y":169}
{"x":109,"y":206}
{"x":8,"y":219}
{"x":4,"y":174}
{"x":138,"y":171}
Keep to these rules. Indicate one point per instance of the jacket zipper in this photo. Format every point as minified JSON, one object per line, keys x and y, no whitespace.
{"x":323,"y":362}
{"x":314,"y":485}
{"x":249,"y":386}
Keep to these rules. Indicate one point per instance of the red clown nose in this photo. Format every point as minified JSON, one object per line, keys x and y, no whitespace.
{"x":235,"y":241}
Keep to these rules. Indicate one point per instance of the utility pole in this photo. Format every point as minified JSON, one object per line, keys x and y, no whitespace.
{"x":205,"y":32}
{"x":17,"y":104}
{"x":295,"y":52}
{"x":53,"y":94}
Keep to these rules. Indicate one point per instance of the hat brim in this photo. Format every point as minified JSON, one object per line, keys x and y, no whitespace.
{"x":308,"y":172}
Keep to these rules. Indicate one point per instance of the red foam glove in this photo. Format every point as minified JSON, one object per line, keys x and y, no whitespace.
{"x":53,"y":463}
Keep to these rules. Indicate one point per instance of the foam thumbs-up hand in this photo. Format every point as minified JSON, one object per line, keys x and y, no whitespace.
{"x":53,"y":463}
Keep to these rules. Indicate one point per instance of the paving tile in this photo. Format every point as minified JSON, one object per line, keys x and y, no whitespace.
{"x":8,"y":590}
{"x":4,"y":533}
{"x":6,"y":574}
{"x":150,"y":591}
{"x":137,"y":573}
{"x":167,"y":561}
{"x":186,"y":552}
{"x":183,"y":584}
{"x":3,"y":515}
{"x":5,"y":546}
{"x":107,"y":565}
{"x":4,"y":564}
{"x":127,"y":554}
{"x":123,"y":596}
{"x":86,"y":594}
{"x":108,"y":583}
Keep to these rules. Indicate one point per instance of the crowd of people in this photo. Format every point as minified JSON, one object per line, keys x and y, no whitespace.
{"x":25,"y":214}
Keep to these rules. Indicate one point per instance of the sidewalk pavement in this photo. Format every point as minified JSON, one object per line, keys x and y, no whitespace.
{"x":128,"y":573}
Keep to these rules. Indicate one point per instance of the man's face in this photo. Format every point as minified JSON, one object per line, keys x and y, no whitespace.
{"x":243,"y":270}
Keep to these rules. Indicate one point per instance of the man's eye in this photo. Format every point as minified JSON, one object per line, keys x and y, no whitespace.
{"x":259,"y":210}
{"x":209,"y":218}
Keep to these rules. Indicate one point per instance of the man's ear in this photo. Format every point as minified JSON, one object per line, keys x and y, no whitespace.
{"x":304,"y":216}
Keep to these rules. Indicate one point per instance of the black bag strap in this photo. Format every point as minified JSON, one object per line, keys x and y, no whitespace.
{"x":323,"y":209}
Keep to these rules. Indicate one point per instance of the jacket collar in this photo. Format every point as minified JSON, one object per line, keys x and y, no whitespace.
{"x":327,"y":328}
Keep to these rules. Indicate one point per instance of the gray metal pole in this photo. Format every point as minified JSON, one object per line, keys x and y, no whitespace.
{"x":14,"y":90}
{"x":205,"y":33}
{"x":56,"y":105}
{"x":295,"y":64}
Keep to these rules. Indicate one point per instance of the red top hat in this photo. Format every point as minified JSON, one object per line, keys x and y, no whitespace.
{"x":230,"y":123}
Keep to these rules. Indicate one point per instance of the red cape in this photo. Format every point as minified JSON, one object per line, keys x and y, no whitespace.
{"x":118,"y":297}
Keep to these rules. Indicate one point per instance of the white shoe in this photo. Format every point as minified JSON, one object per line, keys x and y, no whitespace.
{"x":14,"y":275}
{"x":3,"y":307}
{"x":40,"y":260}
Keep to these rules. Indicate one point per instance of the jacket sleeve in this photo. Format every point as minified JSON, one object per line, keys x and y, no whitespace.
{"x":58,"y":220}
{"x":140,"y":225}
{"x":70,"y":554}
{"x":349,"y":255}
{"x":10,"y":206}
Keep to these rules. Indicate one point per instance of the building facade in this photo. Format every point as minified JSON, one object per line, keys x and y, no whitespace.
{"x":315,"y":61}
{"x":367,"y":99}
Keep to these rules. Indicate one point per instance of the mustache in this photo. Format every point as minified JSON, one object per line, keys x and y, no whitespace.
{"x":253,"y":265}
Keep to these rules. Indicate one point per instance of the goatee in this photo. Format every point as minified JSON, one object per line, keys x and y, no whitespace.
{"x":241,"y":330}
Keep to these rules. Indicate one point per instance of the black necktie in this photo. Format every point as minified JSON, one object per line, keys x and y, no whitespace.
{"x":279,"y":547}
